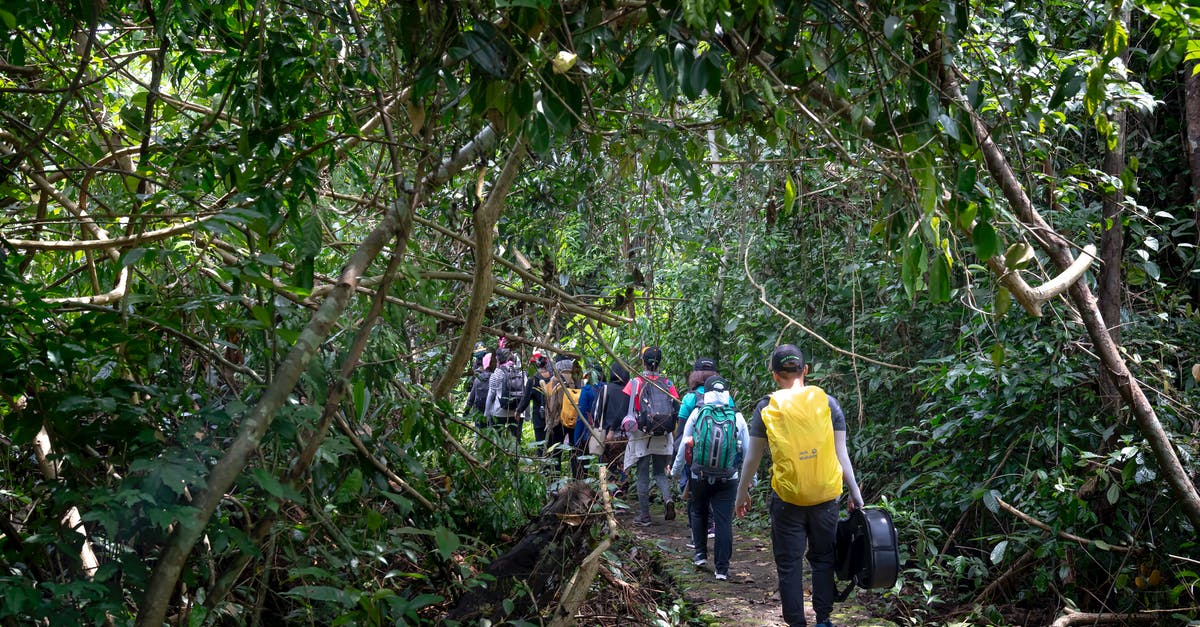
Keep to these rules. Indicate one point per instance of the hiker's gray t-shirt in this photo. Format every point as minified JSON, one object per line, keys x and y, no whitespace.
{"x":759,"y":430}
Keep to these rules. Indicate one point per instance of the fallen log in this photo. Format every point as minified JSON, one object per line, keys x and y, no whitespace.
{"x":550,"y":549}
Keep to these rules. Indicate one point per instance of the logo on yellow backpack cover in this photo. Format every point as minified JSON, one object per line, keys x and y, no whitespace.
{"x":805,"y":470}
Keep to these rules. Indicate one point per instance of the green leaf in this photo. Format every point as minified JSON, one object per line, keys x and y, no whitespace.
{"x":662,"y":75}
{"x":537,"y":129}
{"x":326,"y":594}
{"x":789,"y":196}
{"x":990,"y":502}
{"x":890,"y":27}
{"x":1095,"y":89}
{"x":482,"y":52}
{"x":268,"y":482}
{"x":1116,"y":38}
{"x":1068,"y":85}
{"x":132,"y":257}
{"x":997,"y":355}
{"x":983,"y":236}
{"x":967,"y":175}
{"x":1113,"y":493}
{"x":1027,"y":51}
{"x":914,"y":260}
{"x":939,"y":280}
{"x":998,"y":551}
{"x":361,"y":397}
{"x":350,"y":487}
{"x":930,"y":189}
{"x":1018,"y":255}
{"x":447,"y":542}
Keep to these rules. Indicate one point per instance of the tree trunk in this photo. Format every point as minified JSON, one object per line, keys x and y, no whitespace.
{"x":397,"y":223}
{"x":1192,"y":108}
{"x":1110,"y":356}
{"x":1112,"y":245}
{"x":483,"y":283}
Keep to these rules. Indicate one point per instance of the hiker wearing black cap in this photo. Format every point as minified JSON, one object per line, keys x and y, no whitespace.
{"x":650,"y":421}
{"x":712,"y":446}
{"x":806,"y":431}
{"x":704,"y":368}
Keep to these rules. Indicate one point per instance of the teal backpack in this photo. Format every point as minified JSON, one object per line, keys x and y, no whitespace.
{"x":714,"y":442}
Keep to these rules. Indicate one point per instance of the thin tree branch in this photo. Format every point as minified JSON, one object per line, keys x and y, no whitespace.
{"x":762,"y":296}
{"x":114,"y":242}
{"x":1061,"y":534}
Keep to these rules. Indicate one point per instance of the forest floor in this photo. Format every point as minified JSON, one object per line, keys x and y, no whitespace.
{"x":751,"y":595}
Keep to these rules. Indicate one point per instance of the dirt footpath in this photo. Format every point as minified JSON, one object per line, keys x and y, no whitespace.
{"x":751,"y":595}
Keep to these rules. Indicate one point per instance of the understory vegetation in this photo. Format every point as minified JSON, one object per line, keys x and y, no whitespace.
{"x":247,"y":249}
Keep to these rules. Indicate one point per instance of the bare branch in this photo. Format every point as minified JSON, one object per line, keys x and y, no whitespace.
{"x":1061,"y":534}
{"x":762,"y":296}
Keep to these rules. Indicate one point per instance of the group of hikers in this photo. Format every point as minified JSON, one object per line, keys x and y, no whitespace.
{"x":642,"y":424}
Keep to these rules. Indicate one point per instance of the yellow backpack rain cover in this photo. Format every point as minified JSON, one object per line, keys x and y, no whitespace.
{"x":805,"y":470}
{"x":570,"y":407}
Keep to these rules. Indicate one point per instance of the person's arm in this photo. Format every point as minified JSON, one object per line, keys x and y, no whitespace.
{"x":754,"y":455}
{"x":525,"y":398}
{"x":587,"y":398}
{"x":633,"y":392}
{"x":681,"y":452}
{"x":856,"y":499}
{"x":743,"y":435}
{"x":685,"y":411}
{"x":470,"y":398}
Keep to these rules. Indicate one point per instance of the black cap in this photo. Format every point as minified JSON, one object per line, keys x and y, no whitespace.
{"x":716,"y":383}
{"x":787,"y":358}
{"x":651,"y":355}
{"x":704,"y":363}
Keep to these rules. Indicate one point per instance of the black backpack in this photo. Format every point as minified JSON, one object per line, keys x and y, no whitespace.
{"x":479,"y":391}
{"x":656,"y":411}
{"x":513,"y":389}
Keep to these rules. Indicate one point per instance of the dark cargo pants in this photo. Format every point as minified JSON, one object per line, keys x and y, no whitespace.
{"x":794,"y":527}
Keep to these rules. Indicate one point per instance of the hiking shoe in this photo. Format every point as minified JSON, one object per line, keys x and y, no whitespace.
{"x":724,"y":577}
{"x":669,"y":510}
{"x":642,"y":521}
{"x":824,"y":623}
{"x":699,"y":560}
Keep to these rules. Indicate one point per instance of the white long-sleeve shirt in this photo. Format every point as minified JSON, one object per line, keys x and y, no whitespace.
{"x":743,"y":436}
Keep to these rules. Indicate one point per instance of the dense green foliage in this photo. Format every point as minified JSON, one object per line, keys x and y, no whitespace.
{"x":711,"y":177}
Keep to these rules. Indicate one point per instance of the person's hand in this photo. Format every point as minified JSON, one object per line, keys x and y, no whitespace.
{"x":743,"y":505}
{"x":854,"y":503}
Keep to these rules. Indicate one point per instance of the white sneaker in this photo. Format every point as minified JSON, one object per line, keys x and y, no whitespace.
{"x":699,"y":560}
{"x":722,"y":577}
